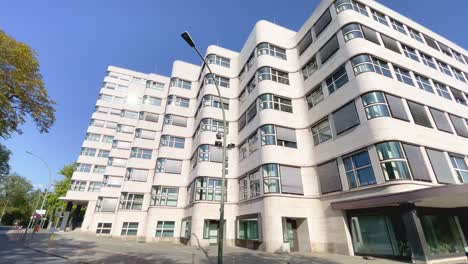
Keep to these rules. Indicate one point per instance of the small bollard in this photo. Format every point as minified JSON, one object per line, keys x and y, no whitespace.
{"x":233,"y":260}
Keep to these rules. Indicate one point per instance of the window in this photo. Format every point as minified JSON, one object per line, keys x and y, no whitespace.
{"x":270,"y":101}
{"x":88,"y":152}
{"x":185,"y":232}
{"x":116,"y":162}
{"x":267,"y":73}
{"x":309,"y":68}
{"x":204,"y":153}
{"x":94,"y":186}
{"x":103,"y":153}
{"x":173,"y":142}
{"x":315,"y":96}
{"x":247,"y":229}
{"x":345,"y":118}
{"x":213,"y":101}
{"x":104,"y":228}
{"x":178,"y":101}
{"x":428,"y":60}
{"x":121,"y":144}
{"x":165,"y":229}
{"x":149,"y":100}
{"x":268,"y":136}
{"x":154,"y":85}
{"x":218,"y":60}
{"x":112,"y":181}
{"x":131,"y":201}
{"x":431,"y":42}
{"x":269,"y":49}
{"x":125,"y":129}
{"x":97,"y":123}
{"x":390,"y":43}
{"x":251,"y":111}
{"x":442,"y":90}
{"x":255,"y":183}
{"x":459,"y":57}
{"x":107,"y":139}
{"x":81,"y":167}
{"x":270,"y":178}
{"x":359,"y":170}
{"x":329,"y":48}
{"x":424,"y":83}
{"x":342,"y":5}
{"x":103,"y":110}
{"x":458,"y":74}
{"x":440,"y":120}
{"x":181,"y":83}
{"x":134,"y":174}
{"x":352,"y":31}
{"x":337,"y":79}
{"x":111,"y":125}
{"x":130,"y":114}
{"x":164,"y":196}
{"x":253,"y":143}
{"x":150,"y":117}
{"x":140,"y":153}
{"x":460,"y":125}
{"x":393,"y":161}
{"x":79,"y":186}
{"x":243,"y":150}
{"x":322,"y":23}
{"x":129,"y":229}
{"x":305,"y":42}
{"x":321,"y":132}
{"x":419,"y":114}
{"x":379,"y":17}
{"x":106,"y":204}
{"x":443,"y":67}
{"x":458,"y":95}
{"x":410,"y":53}
{"x":375,"y":105}
{"x":175,"y":120}
{"x":415,"y":34}
{"x":445,"y":49}
{"x":208,"y":189}
{"x":145,"y":134}
{"x":398,"y":26}
{"x":221,"y":81}
{"x":366,"y":63}
{"x":209,"y":124}
{"x":164,"y":165}
{"x":99,"y":169}
{"x":403,"y":75}
{"x":460,"y":167}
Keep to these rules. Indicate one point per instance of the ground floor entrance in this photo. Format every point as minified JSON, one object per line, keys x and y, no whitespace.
{"x":296,"y":234}
{"x":210,"y":231}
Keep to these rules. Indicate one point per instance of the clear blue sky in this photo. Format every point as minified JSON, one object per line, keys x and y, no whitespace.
{"x":77,"y":40}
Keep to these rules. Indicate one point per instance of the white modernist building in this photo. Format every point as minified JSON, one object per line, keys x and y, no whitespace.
{"x":351,"y":136}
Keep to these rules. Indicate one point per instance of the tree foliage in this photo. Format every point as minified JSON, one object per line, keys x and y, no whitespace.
{"x":18,"y":191}
{"x":22,"y":91}
{"x":60,"y":190}
{"x":4,"y":161}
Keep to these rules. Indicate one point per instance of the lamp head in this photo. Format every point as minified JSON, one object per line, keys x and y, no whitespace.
{"x":188,"y":39}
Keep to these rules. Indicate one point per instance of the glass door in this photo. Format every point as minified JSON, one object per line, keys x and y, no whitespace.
{"x":374,"y":235}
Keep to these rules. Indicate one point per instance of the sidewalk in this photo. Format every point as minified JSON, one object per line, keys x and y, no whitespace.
{"x":87,"y":248}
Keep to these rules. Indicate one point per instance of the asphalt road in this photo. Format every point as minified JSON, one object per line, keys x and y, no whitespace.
{"x":12,"y":251}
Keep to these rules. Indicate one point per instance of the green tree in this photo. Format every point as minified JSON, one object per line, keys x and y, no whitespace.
{"x":4,"y":159}
{"x":22,"y":91}
{"x":18,"y":191}
{"x":60,"y":190}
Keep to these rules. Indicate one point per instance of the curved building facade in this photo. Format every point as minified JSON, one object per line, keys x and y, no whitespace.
{"x":351,"y":136}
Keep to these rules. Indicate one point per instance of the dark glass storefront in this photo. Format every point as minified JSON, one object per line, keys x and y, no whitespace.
{"x":415,"y":233}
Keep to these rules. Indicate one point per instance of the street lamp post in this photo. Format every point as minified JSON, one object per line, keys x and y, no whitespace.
{"x":191,"y":43}
{"x":4,"y":208}
{"x":50,"y":179}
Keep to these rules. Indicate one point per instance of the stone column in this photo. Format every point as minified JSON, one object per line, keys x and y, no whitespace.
{"x":414,"y":233}
{"x":66,"y":216}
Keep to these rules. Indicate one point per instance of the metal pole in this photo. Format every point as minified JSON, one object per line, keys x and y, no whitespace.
{"x":223,"y":173}
{"x":50,"y":180}
{"x":3,"y":211}
{"x":31,"y":219}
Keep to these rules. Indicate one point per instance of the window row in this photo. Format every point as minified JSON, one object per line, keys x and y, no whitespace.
{"x":269,"y":135}
{"x":342,"y":5}
{"x":355,"y":30}
{"x":80,"y":186}
{"x":263,"y":48}
{"x":208,"y":153}
{"x":319,"y":26}
{"x":367,"y":63}
{"x":84,"y":167}
{"x":206,"y":189}
{"x":270,"y":178}
{"x":218,"y":60}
